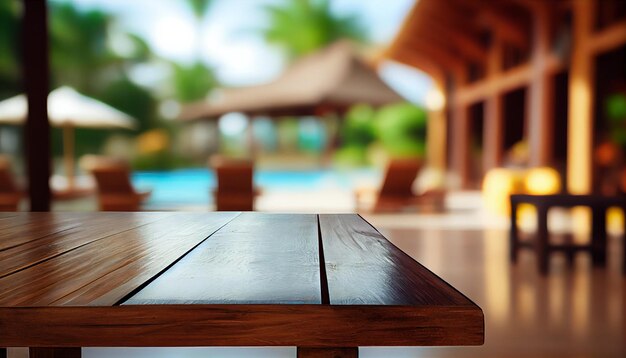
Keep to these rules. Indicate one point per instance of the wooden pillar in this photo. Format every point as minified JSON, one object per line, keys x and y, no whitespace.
{"x":37,"y":129}
{"x":540,"y":97}
{"x":436,"y":127}
{"x":68,"y":155}
{"x":460,"y":132}
{"x":580,"y":116}
{"x":494,"y":126}
{"x":460,"y":143}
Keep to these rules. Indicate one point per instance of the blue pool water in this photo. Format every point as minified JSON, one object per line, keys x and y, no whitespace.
{"x":193,"y":186}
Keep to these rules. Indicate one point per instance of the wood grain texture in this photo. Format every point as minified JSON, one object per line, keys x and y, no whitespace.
{"x":257,"y":258}
{"x":46,"y":235}
{"x":304,"y":352}
{"x":104,"y":271}
{"x":240,"y":325}
{"x":364,"y":268}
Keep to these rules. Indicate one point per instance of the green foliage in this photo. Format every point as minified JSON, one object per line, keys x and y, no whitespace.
{"x":192,"y":83}
{"x":302,"y":26}
{"x":200,"y":7}
{"x":398,"y":130}
{"x":351,"y":155}
{"x":9,"y":63}
{"x":78,"y":47}
{"x":162,"y":160}
{"x":133,"y":100}
{"x":358,"y":128}
{"x":401,"y":129}
{"x":615,"y":107}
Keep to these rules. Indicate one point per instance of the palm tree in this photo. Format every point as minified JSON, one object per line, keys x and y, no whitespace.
{"x":9,"y":63}
{"x":193,"y":82}
{"x":300,"y":27}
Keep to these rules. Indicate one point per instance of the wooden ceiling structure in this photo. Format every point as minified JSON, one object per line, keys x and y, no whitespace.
{"x":478,"y":50}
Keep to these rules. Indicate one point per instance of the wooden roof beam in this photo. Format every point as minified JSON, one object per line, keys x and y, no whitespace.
{"x":608,"y":39}
{"x":464,"y":43}
{"x":507,"y":81}
{"x":419,"y":61}
{"x":447,"y":15}
{"x":448,"y":61}
{"x":498,"y":19}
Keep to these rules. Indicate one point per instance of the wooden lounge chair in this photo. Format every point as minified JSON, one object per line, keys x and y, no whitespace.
{"x":235,"y":189}
{"x":10,"y":194}
{"x":115,"y":191}
{"x":396,"y":192}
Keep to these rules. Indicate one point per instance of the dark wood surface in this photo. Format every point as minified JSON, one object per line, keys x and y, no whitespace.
{"x":27,"y":243}
{"x":364,"y":268}
{"x":220,"y":279}
{"x":258,"y":258}
{"x":104,"y":271}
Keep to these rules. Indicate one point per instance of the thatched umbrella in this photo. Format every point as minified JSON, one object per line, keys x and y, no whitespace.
{"x":68,"y":109}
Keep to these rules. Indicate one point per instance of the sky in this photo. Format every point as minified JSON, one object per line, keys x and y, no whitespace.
{"x":227,"y":41}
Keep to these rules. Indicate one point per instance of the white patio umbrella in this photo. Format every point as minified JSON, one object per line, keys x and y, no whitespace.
{"x":68,"y":109}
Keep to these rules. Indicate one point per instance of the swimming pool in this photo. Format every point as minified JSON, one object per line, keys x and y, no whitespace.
{"x":192,"y":187}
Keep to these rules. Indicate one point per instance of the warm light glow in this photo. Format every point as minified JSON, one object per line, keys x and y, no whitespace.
{"x":498,"y":185}
{"x":435,"y":100}
{"x":541,"y":181}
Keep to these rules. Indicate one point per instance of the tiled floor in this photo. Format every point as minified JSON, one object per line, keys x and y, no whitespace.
{"x":576,"y":311}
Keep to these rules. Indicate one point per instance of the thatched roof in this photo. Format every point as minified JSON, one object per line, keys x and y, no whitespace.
{"x":329,"y":80}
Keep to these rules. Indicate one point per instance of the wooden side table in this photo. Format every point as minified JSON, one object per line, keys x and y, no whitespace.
{"x":543,"y":203}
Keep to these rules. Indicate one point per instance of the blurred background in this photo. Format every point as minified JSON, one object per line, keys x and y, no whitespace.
{"x":323,"y":94}
{"x":151,"y":61}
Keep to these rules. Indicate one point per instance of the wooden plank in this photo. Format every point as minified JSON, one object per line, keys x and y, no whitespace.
{"x":363,"y":268}
{"x":47,"y":235}
{"x":104,"y":271}
{"x":257,"y":258}
{"x":24,"y":227}
{"x":240,"y":325}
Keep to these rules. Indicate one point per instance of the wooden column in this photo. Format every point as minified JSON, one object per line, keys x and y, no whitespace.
{"x":436,"y":128}
{"x":580,"y":117}
{"x":540,"y":97}
{"x":494,"y":126}
{"x":460,"y":142}
{"x":37,"y":129}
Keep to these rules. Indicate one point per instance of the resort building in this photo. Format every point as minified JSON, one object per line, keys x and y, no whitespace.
{"x":517,"y":75}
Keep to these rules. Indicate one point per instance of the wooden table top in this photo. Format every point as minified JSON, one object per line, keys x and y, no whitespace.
{"x":219,"y":279}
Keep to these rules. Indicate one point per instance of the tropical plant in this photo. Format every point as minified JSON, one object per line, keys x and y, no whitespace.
{"x":300,"y":27}
{"x":9,"y":64}
{"x":401,"y":129}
